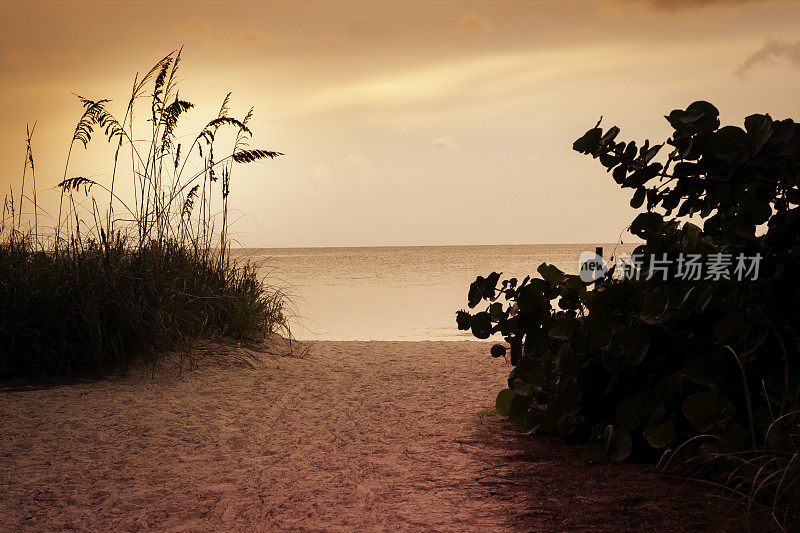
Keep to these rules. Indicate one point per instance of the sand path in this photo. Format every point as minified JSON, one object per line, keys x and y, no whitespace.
{"x":355,"y":436}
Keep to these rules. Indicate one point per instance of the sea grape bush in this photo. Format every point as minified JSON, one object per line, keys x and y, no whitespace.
{"x":706,"y":370}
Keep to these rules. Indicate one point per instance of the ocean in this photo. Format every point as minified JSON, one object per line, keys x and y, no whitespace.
{"x":397,"y":292}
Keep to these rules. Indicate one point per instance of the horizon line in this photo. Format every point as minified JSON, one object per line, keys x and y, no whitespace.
{"x":588,"y":243}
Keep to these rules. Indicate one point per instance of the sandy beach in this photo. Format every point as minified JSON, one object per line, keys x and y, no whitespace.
{"x":353,"y":436}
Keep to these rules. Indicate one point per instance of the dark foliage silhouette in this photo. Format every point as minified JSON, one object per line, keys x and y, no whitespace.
{"x":153,"y":271}
{"x":700,"y":374}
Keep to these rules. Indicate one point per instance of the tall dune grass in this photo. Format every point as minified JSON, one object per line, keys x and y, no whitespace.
{"x":125,"y":276}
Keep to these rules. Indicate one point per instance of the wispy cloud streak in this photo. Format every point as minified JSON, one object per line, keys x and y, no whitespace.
{"x":677,"y":5}
{"x":773,"y":52}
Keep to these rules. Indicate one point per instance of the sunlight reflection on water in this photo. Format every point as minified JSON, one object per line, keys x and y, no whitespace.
{"x":396,"y":293}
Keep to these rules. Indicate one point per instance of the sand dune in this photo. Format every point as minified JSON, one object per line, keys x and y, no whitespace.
{"x":354,"y":436}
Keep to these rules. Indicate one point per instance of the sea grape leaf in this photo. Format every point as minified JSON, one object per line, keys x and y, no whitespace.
{"x":700,"y":115}
{"x":496,"y":311}
{"x":588,"y":142}
{"x":463,"y":320}
{"x":475,"y":292}
{"x":498,"y":350}
{"x":729,"y":143}
{"x":551,"y":274}
{"x":645,"y":223}
{"x":636,"y":344}
{"x":660,"y":435}
{"x":707,"y":409}
{"x":638,"y":197}
{"x":654,"y":306}
{"x":518,"y":411}
{"x":490,"y":285}
{"x":533,"y":301}
{"x":503,"y":401}
{"x":618,"y":444}
{"x":759,"y":129}
{"x":481,"y":324}
{"x":631,"y":411}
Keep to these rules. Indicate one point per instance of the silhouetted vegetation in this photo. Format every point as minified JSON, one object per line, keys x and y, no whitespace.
{"x":699,"y":374}
{"x":150,"y":271}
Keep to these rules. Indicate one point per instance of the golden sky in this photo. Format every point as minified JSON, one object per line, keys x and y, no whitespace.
{"x":404,"y":122}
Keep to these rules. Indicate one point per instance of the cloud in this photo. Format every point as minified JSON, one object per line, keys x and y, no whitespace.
{"x":252,"y":36}
{"x":319,"y":174}
{"x":445,"y":143}
{"x":676,"y":5}
{"x":196,"y":27}
{"x":773,"y":52}
{"x":359,"y":161}
{"x":432,"y":83}
{"x":478,"y":79}
{"x":475,"y":23}
{"x":360,"y":166}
